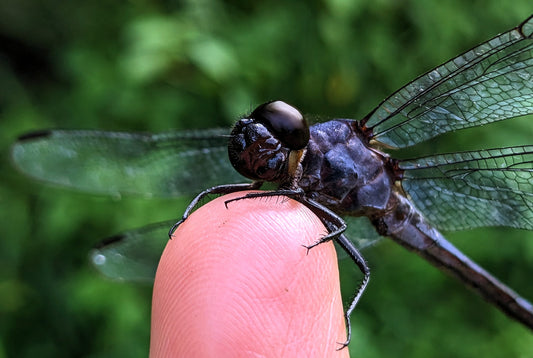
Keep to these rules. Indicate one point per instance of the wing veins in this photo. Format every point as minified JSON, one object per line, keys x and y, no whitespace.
{"x":452,"y":74}
{"x":485,"y":76}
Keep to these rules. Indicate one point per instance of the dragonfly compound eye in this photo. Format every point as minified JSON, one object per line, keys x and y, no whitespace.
{"x":285,"y":122}
{"x":255,"y":152}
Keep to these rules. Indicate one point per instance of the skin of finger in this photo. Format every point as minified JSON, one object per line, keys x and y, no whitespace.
{"x":238,"y":282}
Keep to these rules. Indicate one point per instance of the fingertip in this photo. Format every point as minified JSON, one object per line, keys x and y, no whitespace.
{"x":238,"y":280}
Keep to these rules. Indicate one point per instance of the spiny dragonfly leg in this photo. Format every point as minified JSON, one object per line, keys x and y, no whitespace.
{"x":336,"y":227}
{"x":331,"y":221}
{"x":296,"y":194}
{"x":220,"y":190}
{"x":361,"y":263}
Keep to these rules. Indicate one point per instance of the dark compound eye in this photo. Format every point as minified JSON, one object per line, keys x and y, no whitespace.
{"x":285,"y":122}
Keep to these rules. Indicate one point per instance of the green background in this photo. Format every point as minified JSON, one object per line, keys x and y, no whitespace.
{"x":154,"y":66}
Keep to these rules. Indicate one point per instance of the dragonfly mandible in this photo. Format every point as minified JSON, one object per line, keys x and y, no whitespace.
{"x":341,"y":167}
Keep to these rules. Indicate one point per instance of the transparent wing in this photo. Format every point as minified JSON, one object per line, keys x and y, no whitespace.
{"x":115,"y":163}
{"x":361,"y":232}
{"x":491,"y":82}
{"x":132,"y":255}
{"x":492,"y":187}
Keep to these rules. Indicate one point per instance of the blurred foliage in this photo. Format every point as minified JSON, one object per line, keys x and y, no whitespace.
{"x":155,"y":65}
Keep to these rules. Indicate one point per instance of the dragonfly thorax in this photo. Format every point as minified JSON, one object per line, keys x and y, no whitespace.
{"x":342,"y":173}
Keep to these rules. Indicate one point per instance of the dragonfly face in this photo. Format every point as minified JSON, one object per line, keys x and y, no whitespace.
{"x":260,"y":146}
{"x":407,"y":200}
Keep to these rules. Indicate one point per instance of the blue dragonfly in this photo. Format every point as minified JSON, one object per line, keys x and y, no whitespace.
{"x":342,"y":166}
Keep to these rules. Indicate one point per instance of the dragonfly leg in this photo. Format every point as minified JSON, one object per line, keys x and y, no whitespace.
{"x":336,"y":227}
{"x":219,"y":189}
{"x":331,"y":221}
{"x":296,"y":194}
{"x":361,"y":263}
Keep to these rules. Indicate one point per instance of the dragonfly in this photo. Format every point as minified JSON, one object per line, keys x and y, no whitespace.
{"x":343,"y":169}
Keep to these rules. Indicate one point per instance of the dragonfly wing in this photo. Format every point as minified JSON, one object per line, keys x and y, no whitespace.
{"x":492,"y":187}
{"x":361,"y":232}
{"x":132,"y":255}
{"x":116,"y":163}
{"x":489,"y":83}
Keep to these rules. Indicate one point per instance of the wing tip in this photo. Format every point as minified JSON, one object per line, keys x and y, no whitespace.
{"x":109,"y":241}
{"x":34,"y":135}
{"x":526,"y":27}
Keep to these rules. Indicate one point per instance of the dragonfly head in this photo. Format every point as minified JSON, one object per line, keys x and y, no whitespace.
{"x":262,"y":145}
